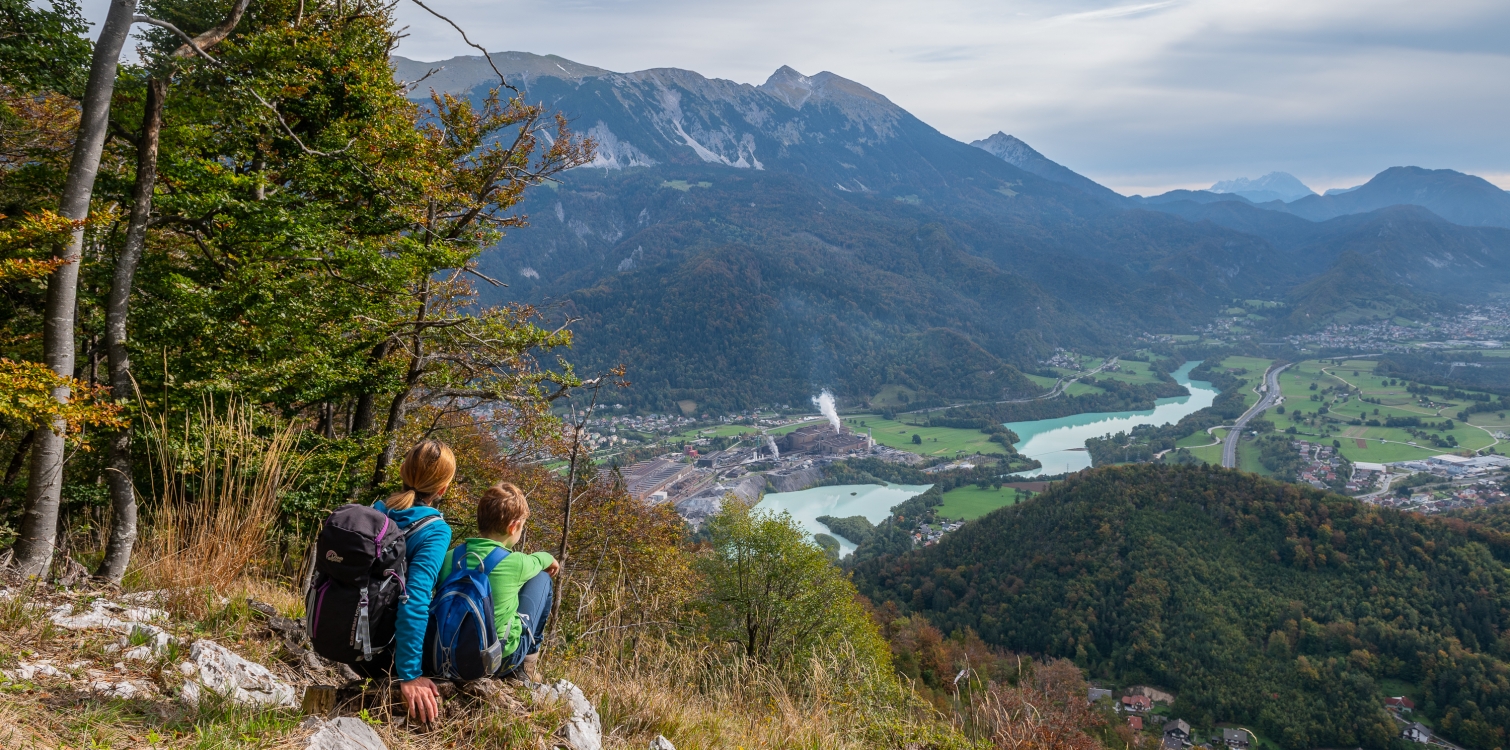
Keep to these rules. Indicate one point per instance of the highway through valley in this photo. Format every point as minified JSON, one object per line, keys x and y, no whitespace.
{"x":1267,"y":397}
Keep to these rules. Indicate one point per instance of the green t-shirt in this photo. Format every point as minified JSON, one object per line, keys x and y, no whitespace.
{"x":506,"y":580}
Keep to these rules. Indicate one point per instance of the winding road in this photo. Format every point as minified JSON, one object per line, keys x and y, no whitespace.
{"x":1268,"y":397}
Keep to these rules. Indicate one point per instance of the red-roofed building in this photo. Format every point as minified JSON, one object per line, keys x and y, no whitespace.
{"x":1137,"y":703}
{"x":1400,"y":704}
{"x":1136,"y":722}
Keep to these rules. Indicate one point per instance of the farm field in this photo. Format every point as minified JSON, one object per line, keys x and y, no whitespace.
{"x":971,"y":502}
{"x":1044,"y":381}
{"x":1255,"y":375}
{"x":1211,"y":454}
{"x":1081,"y":389}
{"x":1379,"y":444}
{"x":937,"y":441}
{"x":1197,"y":439}
{"x":1247,"y":459}
{"x":1137,"y":373}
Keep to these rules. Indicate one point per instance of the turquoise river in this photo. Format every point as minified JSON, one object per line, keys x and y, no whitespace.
{"x":1059,"y":444}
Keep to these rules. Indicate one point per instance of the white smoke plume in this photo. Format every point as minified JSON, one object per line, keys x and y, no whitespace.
{"x":825,"y":404}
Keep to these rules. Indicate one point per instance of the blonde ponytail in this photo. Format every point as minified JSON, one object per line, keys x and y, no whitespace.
{"x":427,"y":469}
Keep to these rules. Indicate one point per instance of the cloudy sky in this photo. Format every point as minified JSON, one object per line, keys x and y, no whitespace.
{"x":1140,"y":96}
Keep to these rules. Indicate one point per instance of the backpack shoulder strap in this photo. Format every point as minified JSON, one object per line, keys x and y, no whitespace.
{"x":459,"y":558}
{"x":493,"y":558}
{"x":420,"y":524}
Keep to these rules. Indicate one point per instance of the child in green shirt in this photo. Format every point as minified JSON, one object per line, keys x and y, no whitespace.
{"x":521,"y":583}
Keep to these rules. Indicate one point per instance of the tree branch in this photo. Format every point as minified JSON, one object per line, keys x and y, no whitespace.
{"x":471,"y":44}
{"x":189,"y":41}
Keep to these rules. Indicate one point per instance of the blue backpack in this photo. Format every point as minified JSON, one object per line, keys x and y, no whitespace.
{"x":461,"y":642}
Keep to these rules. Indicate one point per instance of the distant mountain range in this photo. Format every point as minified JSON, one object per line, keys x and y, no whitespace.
{"x":741,"y":245}
{"x":1274,"y":186}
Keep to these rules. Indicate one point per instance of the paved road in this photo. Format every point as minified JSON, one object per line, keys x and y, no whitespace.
{"x":1268,"y":398}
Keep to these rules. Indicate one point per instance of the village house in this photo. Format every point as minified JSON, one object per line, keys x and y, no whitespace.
{"x":1400,"y":704}
{"x":1136,"y":703}
{"x":1235,"y":738}
{"x":1136,"y":722}
{"x":1417,"y":732}
{"x":1179,"y":729}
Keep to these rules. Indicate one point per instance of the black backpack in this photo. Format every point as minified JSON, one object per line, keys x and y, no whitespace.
{"x":351,"y":610}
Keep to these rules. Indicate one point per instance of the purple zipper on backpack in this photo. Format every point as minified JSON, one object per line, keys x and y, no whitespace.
{"x":319,"y":601}
{"x":378,"y":544}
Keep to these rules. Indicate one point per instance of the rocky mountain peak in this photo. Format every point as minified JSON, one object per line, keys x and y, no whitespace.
{"x":1008,"y":148}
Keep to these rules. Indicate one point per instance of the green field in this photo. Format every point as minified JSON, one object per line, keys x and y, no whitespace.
{"x":1247,"y":459}
{"x":937,"y":441}
{"x":1081,"y":389}
{"x":1196,"y":439}
{"x":1211,"y":454}
{"x":1380,"y":444}
{"x":1255,"y":375}
{"x":1045,"y":382}
{"x":1137,"y":373}
{"x":971,"y":502}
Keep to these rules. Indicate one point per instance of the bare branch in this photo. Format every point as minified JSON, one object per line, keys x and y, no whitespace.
{"x":410,"y":86}
{"x":290,"y":131}
{"x":480,"y":275}
{"x":471,"y":44}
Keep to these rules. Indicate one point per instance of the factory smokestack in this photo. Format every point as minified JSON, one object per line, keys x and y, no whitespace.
{"x":825,"y":403}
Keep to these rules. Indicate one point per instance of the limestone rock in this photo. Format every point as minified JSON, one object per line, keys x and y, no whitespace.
{"x":345,"y":733}
{"x":213,"y":667}
{"x":583,"y":729}
{"x":122,"y":689}
{"x":661,"y":743}
{"x":27,"y":671}
{"x":104,"y":615}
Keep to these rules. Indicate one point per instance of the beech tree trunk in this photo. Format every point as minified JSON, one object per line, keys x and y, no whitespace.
{"x":120,"y":466}
{"x":34,"y":548}
{"x":361,"y":420}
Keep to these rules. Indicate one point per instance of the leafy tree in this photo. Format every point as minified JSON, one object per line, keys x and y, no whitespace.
{"x":773,"y":593}
{"x":917,"y":439}
{"x":1182,"y":576}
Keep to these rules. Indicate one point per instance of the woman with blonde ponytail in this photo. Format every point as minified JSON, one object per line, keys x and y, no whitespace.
{"x":427,"y":472}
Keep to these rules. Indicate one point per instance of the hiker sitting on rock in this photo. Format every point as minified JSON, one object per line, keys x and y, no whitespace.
{"x":426,"y":472}
{"x":483,"y":571}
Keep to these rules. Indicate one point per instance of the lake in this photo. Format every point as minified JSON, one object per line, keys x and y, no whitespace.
{"x":1049,"y":440}
{"x":870,"y":500}
{"x":1053,"y":441}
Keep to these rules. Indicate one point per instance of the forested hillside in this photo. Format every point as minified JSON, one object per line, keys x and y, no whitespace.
{"x":1257,"y":602}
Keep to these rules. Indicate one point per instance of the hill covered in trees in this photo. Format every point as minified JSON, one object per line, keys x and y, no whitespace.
{"x":1281,"y":607}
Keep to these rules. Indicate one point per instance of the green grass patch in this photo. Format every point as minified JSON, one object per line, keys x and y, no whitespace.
{"x":936,"y":441}
{"x":1138,"y":373}
{"x":971,"y":502}
{"x":1039,"y":379}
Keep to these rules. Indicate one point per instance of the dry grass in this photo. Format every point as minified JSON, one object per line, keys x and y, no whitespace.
{"x":647,"y":680}
{"x":217,"y":487}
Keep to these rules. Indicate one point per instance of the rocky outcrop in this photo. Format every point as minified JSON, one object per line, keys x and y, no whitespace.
{"x":583,"y":729}
{"x":345,"y":733}
{"x":794,"y":480}
{"x":213,"y":667}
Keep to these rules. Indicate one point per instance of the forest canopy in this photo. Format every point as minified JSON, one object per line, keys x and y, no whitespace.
{"x":1257,"y":602}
